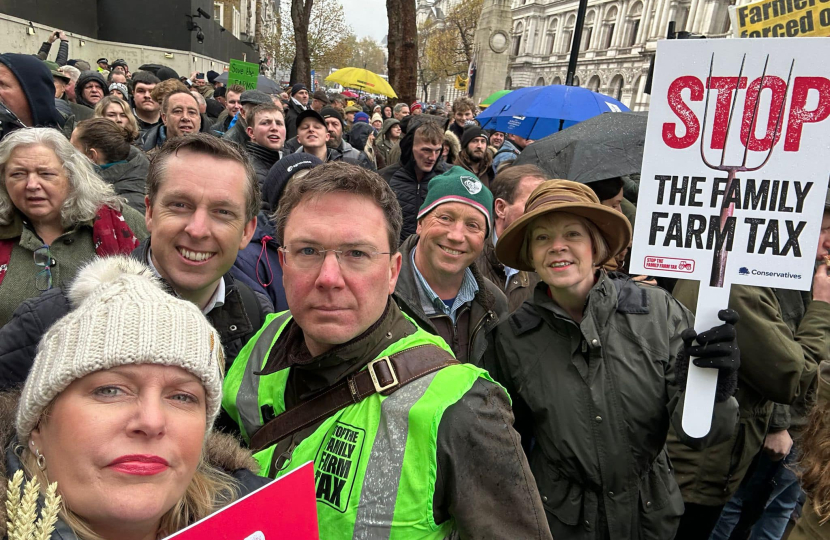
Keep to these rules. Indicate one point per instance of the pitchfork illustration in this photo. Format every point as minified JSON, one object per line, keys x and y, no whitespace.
{"x":719,"y":260}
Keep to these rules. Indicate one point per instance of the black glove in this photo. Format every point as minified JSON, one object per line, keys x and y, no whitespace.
{"x":716,"y":348}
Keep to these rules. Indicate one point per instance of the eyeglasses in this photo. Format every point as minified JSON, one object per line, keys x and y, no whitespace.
{"x":353,"y":258}
{"x":43,"y":257}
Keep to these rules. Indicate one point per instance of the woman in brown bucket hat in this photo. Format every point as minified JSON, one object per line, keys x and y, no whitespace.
{"x":596,"y":366}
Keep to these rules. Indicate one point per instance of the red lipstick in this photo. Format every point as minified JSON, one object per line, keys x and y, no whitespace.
{"x":139,"y":464}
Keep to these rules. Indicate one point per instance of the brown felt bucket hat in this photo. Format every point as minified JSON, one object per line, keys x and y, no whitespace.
{"x":563,"y":196}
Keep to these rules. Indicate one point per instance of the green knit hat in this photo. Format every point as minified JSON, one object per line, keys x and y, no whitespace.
{"x":458,"y":185}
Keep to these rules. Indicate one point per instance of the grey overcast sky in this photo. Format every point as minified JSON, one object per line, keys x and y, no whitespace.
{"x":366,"y":17}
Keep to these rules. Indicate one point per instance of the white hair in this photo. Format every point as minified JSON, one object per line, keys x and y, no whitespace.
{"x":87,"y":191}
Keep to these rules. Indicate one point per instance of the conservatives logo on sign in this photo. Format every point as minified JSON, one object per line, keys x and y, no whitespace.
{"x":744,"y":271}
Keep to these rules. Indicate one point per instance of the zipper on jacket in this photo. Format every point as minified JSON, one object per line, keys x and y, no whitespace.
{"x":488,"y":316}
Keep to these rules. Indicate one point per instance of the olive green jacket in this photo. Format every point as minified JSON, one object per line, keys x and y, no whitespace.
{"x":71,"y":250}
{"x":597,"y":398}
{"x":782,"y":338}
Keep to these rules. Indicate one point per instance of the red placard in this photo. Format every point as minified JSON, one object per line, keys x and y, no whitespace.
{"x":285,"y":508}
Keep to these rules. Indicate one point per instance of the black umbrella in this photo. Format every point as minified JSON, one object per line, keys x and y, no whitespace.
{"x":602,"y":147}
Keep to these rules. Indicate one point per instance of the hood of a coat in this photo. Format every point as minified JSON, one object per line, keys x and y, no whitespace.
{"x":359,"y":135}
{"x":85,"y":78}
{"x":36,"y":81}
{"x":388,"y":123}
{"x":455,"y":145}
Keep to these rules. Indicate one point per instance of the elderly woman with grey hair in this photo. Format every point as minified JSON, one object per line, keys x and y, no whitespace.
{"x":55,"y":215}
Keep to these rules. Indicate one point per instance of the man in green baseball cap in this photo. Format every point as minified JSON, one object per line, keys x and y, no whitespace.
{"x":440,"y":286}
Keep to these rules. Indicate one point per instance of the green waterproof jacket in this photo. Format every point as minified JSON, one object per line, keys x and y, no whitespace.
{"x":598,"y":397}
{"x":782,"y":337}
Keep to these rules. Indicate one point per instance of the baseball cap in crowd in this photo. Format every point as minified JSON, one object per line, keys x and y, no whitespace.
{"x":310,"y":113}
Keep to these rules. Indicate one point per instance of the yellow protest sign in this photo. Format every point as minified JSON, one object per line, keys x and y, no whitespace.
{"x":460,"y":83}
{"x":781,"y":18}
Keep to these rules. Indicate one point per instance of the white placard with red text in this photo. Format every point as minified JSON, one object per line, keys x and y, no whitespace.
{"x":767,"y":223}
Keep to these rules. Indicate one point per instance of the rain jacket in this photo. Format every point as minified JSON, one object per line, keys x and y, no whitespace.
{"x":258,"y":266}
{"x":262,"y":159}
{"x":383,"y":145}
{"x":404,"y":182}
{"x":467,"y":337}
{"x":221,"y":451}
{"x":782,"y":337}
{"x":598,"y":398}
{"x":128,"y":178}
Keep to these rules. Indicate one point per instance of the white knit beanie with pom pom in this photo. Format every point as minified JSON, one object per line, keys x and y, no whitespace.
{"x":122,"y":315}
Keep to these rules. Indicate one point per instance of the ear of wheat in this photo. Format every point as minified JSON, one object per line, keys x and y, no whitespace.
{"x":22,"y":521}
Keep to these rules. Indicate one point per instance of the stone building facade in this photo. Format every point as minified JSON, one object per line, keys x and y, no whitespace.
{"x":618,"y":40}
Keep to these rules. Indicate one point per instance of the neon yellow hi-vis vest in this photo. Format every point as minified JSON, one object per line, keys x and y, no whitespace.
{"x":375,"y":461}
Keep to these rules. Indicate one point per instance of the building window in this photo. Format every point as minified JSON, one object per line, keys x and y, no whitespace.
{"x":556,"y":80}
{"x":237,"y":23}
{"x":587,"y":32}
{"x":617,"y":87}
{"x":567,"y":41}
{"x":517,"y":39}
{"x":610,"y":24}
{"x":593,"y":84}
{"x":219,"y":13}
{"x":540,"y":81}
{"x":576,"y":80}
{"x":508,"y":84}
{"x":634,"y":23}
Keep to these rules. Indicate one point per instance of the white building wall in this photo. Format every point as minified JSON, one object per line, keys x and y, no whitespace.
{"x":631,"y":26}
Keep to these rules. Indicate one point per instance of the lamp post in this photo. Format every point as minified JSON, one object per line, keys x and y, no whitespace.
{"x":577,"y":40}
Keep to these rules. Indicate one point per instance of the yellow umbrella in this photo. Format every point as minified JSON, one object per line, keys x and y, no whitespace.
{"x":362,"y":79}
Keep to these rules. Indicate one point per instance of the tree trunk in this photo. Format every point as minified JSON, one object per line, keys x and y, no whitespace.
{"x":300,"y":17}
{"x":403,"y":49}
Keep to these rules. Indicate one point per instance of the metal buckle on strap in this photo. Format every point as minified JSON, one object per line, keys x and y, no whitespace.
{"x":371,"y":368}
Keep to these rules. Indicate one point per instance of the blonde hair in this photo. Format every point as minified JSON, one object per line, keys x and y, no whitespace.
{"x":599,"y":246}
{"x":87,"y":192}
{"x":132,"y":123}
{"x":209,"y":490}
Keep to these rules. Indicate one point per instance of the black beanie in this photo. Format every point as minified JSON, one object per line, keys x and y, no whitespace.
{"x":36,"y":81}
{"x":164,"y":73}
{"x":473,"y":132}
{"x":279,"y":175}
{"x":297,"y":87}
{"x":331,"y":112}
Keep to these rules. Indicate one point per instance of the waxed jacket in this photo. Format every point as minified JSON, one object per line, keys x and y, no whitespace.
{"x":597,"y":398}
{"x":129,"y":178}
{"x":488,"y":308}
{"x":221,"y":451}
{"x":782,"y":338}
{"x":521,"y":285}
{"x":71,"y":251}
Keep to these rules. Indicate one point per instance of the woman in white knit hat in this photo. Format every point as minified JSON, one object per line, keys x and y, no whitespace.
{"x":117,"y":411}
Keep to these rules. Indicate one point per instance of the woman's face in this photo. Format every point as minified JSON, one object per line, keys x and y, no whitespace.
{"x":377,"y":124}
{"x":123,"y":444}
{"x":614,"y":202}
{"x":387,"y":112}
{"x":118,"y":94}
{"x":115,"y":113}
{"x":395,"y":131}
{"x":561,"y":252}
{"x":37,"y":183}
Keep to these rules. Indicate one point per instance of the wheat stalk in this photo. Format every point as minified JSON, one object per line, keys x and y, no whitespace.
{"x":49,"y":513}
{"x":13,"y":502}
{"x":24,"y":521}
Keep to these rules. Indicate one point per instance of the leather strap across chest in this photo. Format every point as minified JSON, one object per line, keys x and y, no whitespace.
{"x":383,"y":376}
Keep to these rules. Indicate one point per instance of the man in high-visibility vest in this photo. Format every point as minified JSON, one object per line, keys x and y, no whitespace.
{"x":415,"y":453}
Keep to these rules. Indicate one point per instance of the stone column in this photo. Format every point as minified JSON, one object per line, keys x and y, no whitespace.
{"x":655,"y":22}
{"x":694,"y":12}
{"x":645,"y":21}
{"x":619,"y":30}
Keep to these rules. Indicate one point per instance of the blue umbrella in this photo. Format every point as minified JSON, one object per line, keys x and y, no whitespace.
{"x":538,"y":111}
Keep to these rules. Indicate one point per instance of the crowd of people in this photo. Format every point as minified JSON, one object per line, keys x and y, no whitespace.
{"x":204,"y":287}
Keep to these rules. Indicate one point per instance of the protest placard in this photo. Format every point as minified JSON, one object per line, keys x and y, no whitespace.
{"x":781,"y":18}
{"x":734,"y":175}
{"x":285,"y":508}
{"x":244,"y":73}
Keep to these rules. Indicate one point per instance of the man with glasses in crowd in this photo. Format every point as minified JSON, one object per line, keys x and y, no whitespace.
{"x":414,"y":445}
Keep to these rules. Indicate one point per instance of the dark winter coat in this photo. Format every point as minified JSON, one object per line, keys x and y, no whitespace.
{"x":262,"y":159}
{"x":128,"y":178}
{"x":408,"y":189}
{"x":292,"y":111}
{"x":258,"y":265}
{"x":237,"y":321}
{"x":36,"y":80}
{"x":63,"y":52}
{"x":467,"y":337}
{"x":521,"y":285}
{"x":359,"y":135}
{"x":782,"y":336}
{"x":353,"y":155}
{"x":221,"y":125}
{"x":597,"y":399}
{"x":220,"y":450}
{"x":153,"y":137}
{"x":85,"y":78}
{"x":236,"y":133}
